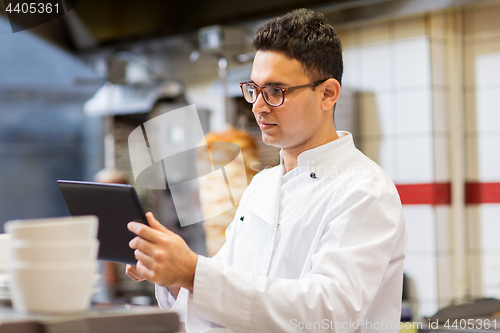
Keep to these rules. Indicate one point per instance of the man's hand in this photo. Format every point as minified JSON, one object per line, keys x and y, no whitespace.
{"x":162,"y":256}
{"x":131,"y":271}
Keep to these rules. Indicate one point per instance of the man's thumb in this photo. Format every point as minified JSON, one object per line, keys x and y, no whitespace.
{"x":155,"y":224}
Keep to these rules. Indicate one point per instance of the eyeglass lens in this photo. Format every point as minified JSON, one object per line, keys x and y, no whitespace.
{"x":272,"y":95}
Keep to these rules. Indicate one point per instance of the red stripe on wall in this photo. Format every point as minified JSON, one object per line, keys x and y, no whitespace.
{"x":479,"y":193}
{"x":425,"y":194}
{"x":440,"y":193}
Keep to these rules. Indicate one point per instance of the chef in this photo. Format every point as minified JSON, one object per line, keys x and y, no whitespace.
{"x":318,"y":242}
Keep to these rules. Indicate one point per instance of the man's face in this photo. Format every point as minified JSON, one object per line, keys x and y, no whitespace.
{"x":294,"y":124}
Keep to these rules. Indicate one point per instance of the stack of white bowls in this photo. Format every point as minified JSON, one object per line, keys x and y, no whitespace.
{"x":52,"y":263}
{"x":4,"y":248}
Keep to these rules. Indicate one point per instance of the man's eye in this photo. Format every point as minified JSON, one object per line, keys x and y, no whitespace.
{"x":273,"y":91}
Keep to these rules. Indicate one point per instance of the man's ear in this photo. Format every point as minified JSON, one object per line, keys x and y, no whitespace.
{"x":331,"y":90}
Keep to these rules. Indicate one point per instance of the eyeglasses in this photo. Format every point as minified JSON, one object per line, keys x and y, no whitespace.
{"x":273,"y":95}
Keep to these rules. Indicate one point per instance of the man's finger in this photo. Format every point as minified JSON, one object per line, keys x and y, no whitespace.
{"x":133,"y":274}
{"x":145,"y":259}
{"x":155,"y":224}
{"x":144,"y":271}
{"x":143,"y":245}
{"x":144,"y":231}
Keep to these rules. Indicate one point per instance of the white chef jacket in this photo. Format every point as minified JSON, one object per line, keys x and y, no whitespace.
{"x":306,"y":252}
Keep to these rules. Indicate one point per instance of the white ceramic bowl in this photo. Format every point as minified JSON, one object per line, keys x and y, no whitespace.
{"x":57,"y":228}
{"x":54,"y":251}
{"x":4,"y":245}
{"x":4,"y":251}
{"x":51,"y":289}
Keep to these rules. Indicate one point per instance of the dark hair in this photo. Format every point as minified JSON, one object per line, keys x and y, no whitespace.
{"x":306,"y":36}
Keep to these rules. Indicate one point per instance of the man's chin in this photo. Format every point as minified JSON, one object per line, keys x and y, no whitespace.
{"x":270,"y":141}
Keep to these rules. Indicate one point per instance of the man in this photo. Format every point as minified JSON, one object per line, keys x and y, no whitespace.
{"x":318,"y":242}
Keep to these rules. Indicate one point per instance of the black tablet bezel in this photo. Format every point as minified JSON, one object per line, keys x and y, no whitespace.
{"x":115,"y":205}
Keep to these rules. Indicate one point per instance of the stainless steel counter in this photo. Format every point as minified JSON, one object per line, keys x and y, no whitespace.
{"x":102,"y":318}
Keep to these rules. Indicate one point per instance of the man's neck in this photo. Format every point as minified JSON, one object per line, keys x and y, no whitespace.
{"x":289,"y":155}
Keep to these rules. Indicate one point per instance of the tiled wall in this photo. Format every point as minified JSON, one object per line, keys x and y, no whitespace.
{"x":482,"y":137}
{"x":389,"y":64}
{"x":399,"y":69}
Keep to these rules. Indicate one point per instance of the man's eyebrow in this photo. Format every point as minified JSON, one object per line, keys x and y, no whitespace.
{"x":275,"y":84}
{"x":280,"y":84}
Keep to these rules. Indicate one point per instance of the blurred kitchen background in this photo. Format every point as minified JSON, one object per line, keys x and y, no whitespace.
{"x":419,"y":90}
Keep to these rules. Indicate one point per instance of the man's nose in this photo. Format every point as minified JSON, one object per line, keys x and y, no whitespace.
{"x":260,"y":105}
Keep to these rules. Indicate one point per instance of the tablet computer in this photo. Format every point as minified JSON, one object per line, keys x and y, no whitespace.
{"x":115,"y":205}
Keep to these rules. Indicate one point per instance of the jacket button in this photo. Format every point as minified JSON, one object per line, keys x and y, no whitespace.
{"x":242,"y":218}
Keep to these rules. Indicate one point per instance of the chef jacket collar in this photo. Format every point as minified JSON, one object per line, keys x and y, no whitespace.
{"x":266,"y":200}
{"x":317,"y":155}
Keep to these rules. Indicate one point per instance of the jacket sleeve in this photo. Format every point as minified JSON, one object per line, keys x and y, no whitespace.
{"x":364,"y":242}
{"x":168,"y":302}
